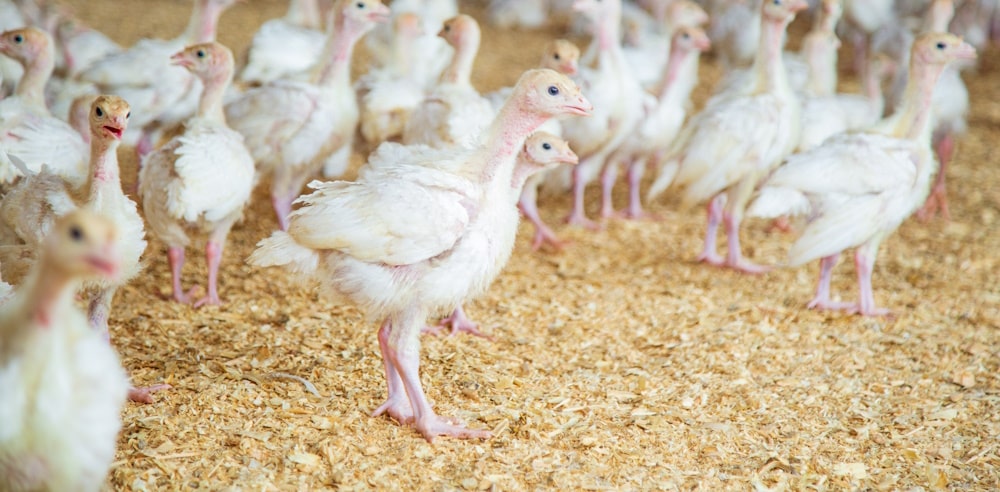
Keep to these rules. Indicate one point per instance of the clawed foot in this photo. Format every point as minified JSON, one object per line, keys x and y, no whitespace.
{"x":937,"y":201}
{"x":848,"y":307}
{"x":456,"y":324}
{"x":747,"y":266}
{"x":145,"y":395}
{"x":711,"y":258}
{"x":640,"y":214}
{"x":780,"y":224}
{"x":578,"y":219}
{"x":209,"y":300}
{"x":184,"y":297}
{"x":433,"y":425}
{"x":542,"y":238}
{"x":397,"y":408}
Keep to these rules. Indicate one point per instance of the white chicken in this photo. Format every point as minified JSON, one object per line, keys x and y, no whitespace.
{"x":857,"y":188}
{"x":27,"y":130}
{"x":661,"y":123}
{"x":62,"y":384}
{"x":420,"y":230}
{"x":389,"y":94}
{"x":528,"y":14}
{"x":10,"y":70}
{"x":431,"y":53}
{"x":285,"y":46}
{"x":727,"y":149}
{"x":295,"y":128}
{"x":454,"y":113}
{"x":142,"y":74}
{"x":735,"y":31}
{"x":648,"y":58}
{"x":617,"y":95}
{"x":201,"y":180}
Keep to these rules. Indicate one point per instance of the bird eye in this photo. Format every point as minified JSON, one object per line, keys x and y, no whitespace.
{"x":553,"y":90}
{"x":686,"y":36}
{"x":200,"y":53}
{"x":447,"y":28}
{"x":75,"y":233}
{"x":777,"y":2}
{"x":98,"y":112}
{"x":359,"y":5}
{"x":556,"y":56}
{"x":547,"y":146}
{"x":128,"y":115}
{"x":940,"y":46}
{"x":18,"y":39}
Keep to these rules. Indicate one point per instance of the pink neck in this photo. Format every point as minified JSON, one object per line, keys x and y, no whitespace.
{"x":914,"y":122}
{"x":768,"y":65}
{"x":459,"y":71}
{"x":609,"y":31}
{"x":507,"y":135}
{"x":671,"y":70}
{"x":335,"y":69}
{"x":214,"y":88}
{"x":31,"y":88}
{"x":103,"y":163}
{"x":46,"y":292}
{"x":202,"y":25}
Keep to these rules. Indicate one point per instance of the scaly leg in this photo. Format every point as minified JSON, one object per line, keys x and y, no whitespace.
{"x":396,"y":405}
{"x":736,"y":199}
{"x":145,"y":394}
{"x":864,"y":263}
{"x":938,"y":199}
{"x":176,"y":257}
{"x":709,"y":253}
{"x":282,"y":207}
{"x":608,"y":177}
{"x":459,"y":323}
{"x":822,"y":299}
{"x":213,"y":255}
{"x":543,"y":234}
{"x":634,"y":211}
{"x":577,"y":215}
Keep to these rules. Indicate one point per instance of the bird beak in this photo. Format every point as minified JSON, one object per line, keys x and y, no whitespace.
{"x":380,"y":13}
{"x":581,"y":108}
{"x":569,"y":157}
{"x":798,"y":6}
{"x":107,"y":267}
{"x":703,"y":43}
{"x":180,"y":59}
{"x":569,"y":68}
{"x":966,"y":52}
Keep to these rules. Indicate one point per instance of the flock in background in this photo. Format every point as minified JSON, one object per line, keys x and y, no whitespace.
{"x":431,"y":219}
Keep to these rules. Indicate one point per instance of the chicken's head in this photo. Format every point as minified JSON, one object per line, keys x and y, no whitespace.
{"x":561,"y":56}
{"x":549,"y":93}
{"x":543,"y":148}
{"x":25,"y":45}
{"x":783,"y":11}
{"x":83,"y":244}
{"x":939,"y":49}
{"x":109,"y":118}
{"x":460,"y":30}
{"x":691,"y":39}
{"x":209,"y":61}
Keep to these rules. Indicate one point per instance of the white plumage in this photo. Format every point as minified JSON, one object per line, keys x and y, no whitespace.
{"x":285,"y":46}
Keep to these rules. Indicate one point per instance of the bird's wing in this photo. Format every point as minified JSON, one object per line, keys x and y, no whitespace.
{"x":402,"y":217}
{"x":280,"y":48}
{"x":44,"y":140}
{"x":270,"y":115}
{"x":140,"y":65}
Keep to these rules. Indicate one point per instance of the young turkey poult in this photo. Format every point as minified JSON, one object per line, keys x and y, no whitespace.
{"x":62,"y":384}
{"x":285,"y":46}
{"x":420,"y":230}
{"x":857,"y":188}
{"x":200,"y":180}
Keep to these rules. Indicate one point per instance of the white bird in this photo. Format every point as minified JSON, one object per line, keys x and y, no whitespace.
{"x":617,"y":95}
{"x":857,"y":188}
{"x":389,"y":94}
{"x":454,"y":113}
{"x":660,"y":124}
{"x":143,"y":75}
{"x":864,"y":19}
{"x":431,"y":53}
{"x":62,"y":384}
{"x":420,"y":230}
{"x":649,"y":55}
{"x":735,"y":31}
{"x":727,"y":149}
{"x":10,"y":70}
{"x":201,"y":180}
{"x":27,"y":129}
{"x":525,"y":14}
{"x":295,"y":128}
{"x":285,"y":46}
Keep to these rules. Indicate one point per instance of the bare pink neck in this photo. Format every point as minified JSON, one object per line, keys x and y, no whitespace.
{"x":671,"y":70}
{"x":915,"y":114}
{"x":214,"y":88}
{"x":506,"y":138}
{"x":335,"y":69}
{"x":459,"y":71}
{"x":769,"y":65}
{"x":31,"y":88}
{"x":104,"y":171}
{"x":202,"y":25}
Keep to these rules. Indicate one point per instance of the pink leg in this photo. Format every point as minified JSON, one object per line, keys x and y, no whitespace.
{"x":99,"y":310}
{"x":734,"y":255}
{"x":404,"y":355}
{"x":708,"y":253}
{"x":145,"y":394}
{"x":864,"y":263}
{"x":282,"y":207}
{"x":822,"y":299}
{"x":780,"y":224}
{"x":396,"y":405}
{"x":860,"y":42}
{"x":176,"y":257}
{"x":213,"y":255}
{"x":459,"y":323}
{"x":938,"y":199}
{"x":543,"y":234}
{"x":577,"y":215}
{"x":634,"y":210}
{"x":608,"y":177}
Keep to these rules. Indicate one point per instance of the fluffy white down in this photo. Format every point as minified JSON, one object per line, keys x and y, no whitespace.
{"x":27,"y":213}
{"x":452,"y":115}
{"x":63,"y":390}
{"x":857,"y":186}
{"x":111,"y":202}
{"x":202,"y":179}
{"x":39,"y":139}
{"x":279,"y":49}
{"x":388,"y":103}
{"x":823,"y":117}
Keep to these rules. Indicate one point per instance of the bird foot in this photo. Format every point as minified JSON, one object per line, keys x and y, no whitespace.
{"x":781,"y":224}
{"x":578,"y":219}
{"x":542,"y":238}
{"x":433,"y":425}
{"x":397,"y":408}
{"x":747,"y":266}
{"x":711,"y":258}
{"x":209,"y":300}
{"x":457,"y":324}
{"x":936,"y":201}
{"x":638,"y":214}
{"x":184,"y":297}
{"x":145,"y":394}
{"x":825,"y":304}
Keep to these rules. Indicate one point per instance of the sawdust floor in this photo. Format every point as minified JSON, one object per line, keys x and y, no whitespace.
{"x":618,"y":364}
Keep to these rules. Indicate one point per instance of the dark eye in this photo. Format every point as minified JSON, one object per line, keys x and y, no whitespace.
{"x":98,"y":112}
{"x":777,"y":2}
{"x":75,"y":233}
{"x":553,"y":90}
{"x":128,"y":115}
{"x":18,"y":39}
{"x":447,"y":28}
{"x":940,"y":46}
{"x":686,"y":36}
{"x":359,"y":5}
{"x":547,"y":146}
{"x":556,"y":56}
{"x":201,"y":53}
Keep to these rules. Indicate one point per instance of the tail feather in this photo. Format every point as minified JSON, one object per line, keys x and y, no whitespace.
{"x":281,"y":250}
{"x":774,"y":202}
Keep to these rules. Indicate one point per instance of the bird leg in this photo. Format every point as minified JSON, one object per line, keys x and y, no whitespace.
{"x":708,"y":253}
{"x":938,"y":199}
{"x":396,"y":405}
{"x":175,"y":255}
{"x":577,"y":215}
{"x":282,"y":207}
{"x":145,"y":394}
{"x":213,"y":255}
{"x":736,"y":200}
{"x":864,"y":264}
{"x":822,"y":299}
{"x":634,"y":211}
{"x":780,"y":224}
{"x":401,"y":347}
{"x":528,"y":204}
{"x":99,"y":309}
{"x":458,"y":323}
{"x":608,"y":177}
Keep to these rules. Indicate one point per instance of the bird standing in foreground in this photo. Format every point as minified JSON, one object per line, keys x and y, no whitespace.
{"x":727,"y":149}
{"x":200,"y":180}
{"x":420,"y":230}
{"x":62,"y":384}
{"x":857,"y":188}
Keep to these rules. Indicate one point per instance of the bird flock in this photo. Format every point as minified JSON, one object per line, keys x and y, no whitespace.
{"x":431,"y":218}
